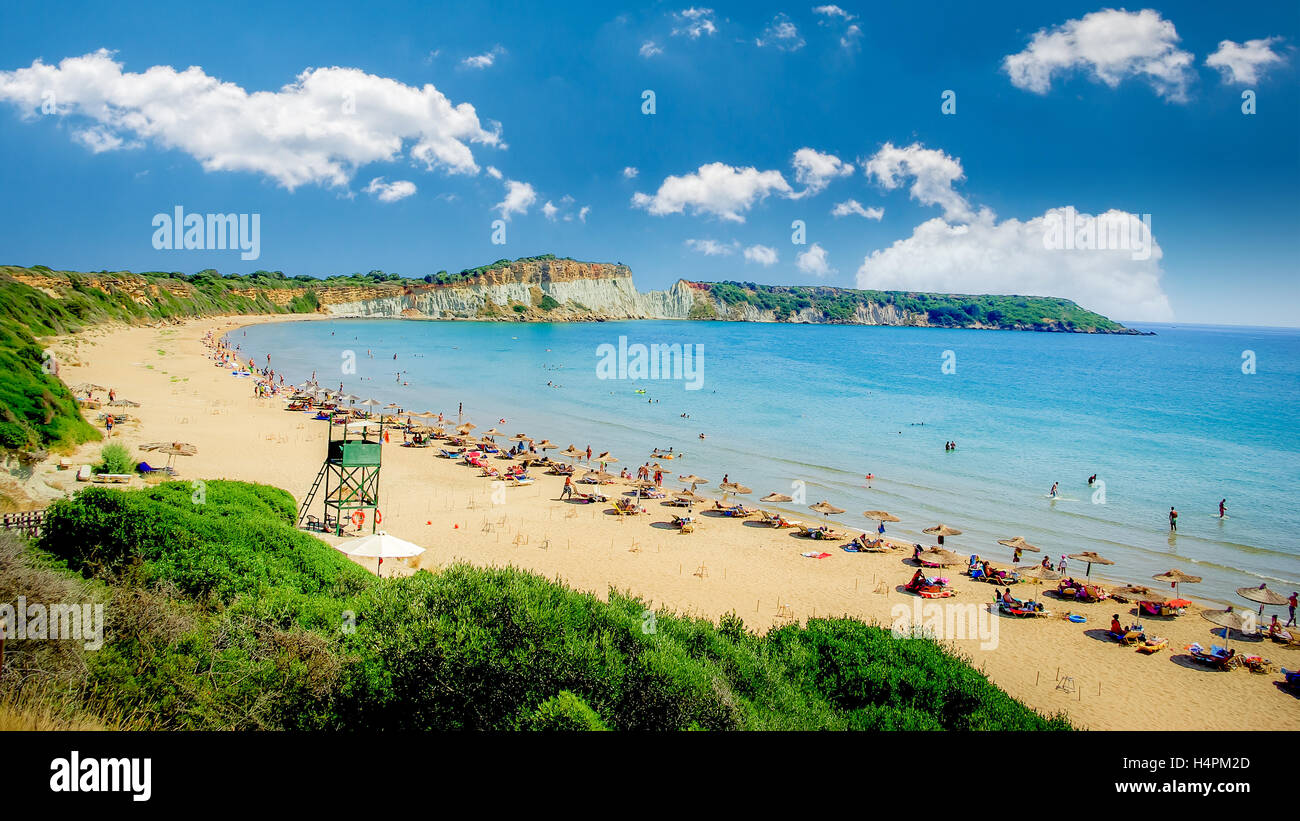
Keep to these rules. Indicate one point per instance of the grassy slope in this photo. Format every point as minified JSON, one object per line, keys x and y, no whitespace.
{"x":222,"y":615}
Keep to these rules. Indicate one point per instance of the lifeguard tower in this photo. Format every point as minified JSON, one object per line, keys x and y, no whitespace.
{"x":349,"y":477}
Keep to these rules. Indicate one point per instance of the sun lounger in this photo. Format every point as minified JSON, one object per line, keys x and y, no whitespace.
{"x":146,"y":468}
{"x":64,"y":463}
{"x":1216,"y":657}
{"x":1022,"y":610}
{"x":114,"y":478}
{"x":449,"y":454}
{"x":83,"y":473}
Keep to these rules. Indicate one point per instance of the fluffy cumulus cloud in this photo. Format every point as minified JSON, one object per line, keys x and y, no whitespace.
{"x":835,"y":16}
{"x":318,"y":129}
{"x":762,"y":254}
{"x":712,"y":248}
{"x":814,"y":261}
{"x":1111,"y":46}
{"x":716,"y":189}
{"x":848,"y":207}
{"x":99,"y":139}
{"x":549,"y":210}
{"x":629,"y":173}
{"x":781,"y":34}
{"x":520,"y":196}
{"x":694,"y":23}
{"x":1028,"y":258}
{"x":390,"y":191}
{"x":833,"y":12}
{"x":932,"y":172}
{"x":815,"y":170}
{"x":650,"y":49}
{"x":1244,"y":63}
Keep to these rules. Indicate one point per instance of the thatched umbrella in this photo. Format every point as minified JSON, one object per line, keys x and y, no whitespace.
{"x":939,"y":556}
{"x":1018,"y":543}
{"x":123,"y":403}
{"x":572,"y":453}
{"x":776,"y":497}
{"x":1262,"y":595}
{"x":942,"y":530}
{"x":491,"y":432}
{"x":521,"y":437}
{"x":1230,"y":620}
{"x":599,"y":476}
{"x":692,"y":480}
{"x":172,"y":449}
{"x":1139,"y":592}
{"x":606,"y":458}
{"x":1176,"y":577}
{"x":690,"y":497}
{"x":465,"y":427}
{"x":881,"y":516}
{"x":1091,"y":557}
{"x":733,"y":487}
{"x":826,"y":508}
{"x":546,"y":444}
{"x":1043,"y":574}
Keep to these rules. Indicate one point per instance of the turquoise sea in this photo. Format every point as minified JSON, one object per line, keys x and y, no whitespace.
{"x":1164,"y":420}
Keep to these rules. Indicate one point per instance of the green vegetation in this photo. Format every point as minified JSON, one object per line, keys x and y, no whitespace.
{"x":115,"y":458}
{"x":946,"y":310}
{"x":223,"y":616}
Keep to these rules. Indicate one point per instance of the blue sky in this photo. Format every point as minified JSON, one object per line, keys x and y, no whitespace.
{"x":764,"y":114}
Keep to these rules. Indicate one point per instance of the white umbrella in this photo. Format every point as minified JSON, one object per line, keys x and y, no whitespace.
{"x":381,"y":546}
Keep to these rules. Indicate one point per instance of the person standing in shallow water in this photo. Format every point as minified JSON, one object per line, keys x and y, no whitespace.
{"x":1223,"y":508}
{"x":1173,"y":520}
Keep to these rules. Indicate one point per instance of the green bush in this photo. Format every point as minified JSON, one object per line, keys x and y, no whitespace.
{"x":566,"y":712}
{"x":115,"y":458}
{"x":225,"y":616}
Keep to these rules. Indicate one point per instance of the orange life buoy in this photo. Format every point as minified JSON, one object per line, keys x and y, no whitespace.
{"x":358,"y":518}
{"x":379,"y":517}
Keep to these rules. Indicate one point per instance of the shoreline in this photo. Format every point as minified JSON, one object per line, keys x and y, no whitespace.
{"x":727,"y":565}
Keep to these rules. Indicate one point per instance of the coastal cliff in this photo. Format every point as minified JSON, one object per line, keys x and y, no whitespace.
{"x":536,"y":289}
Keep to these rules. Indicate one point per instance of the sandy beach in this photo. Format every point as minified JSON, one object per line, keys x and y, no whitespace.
{"x":1049,"y":663}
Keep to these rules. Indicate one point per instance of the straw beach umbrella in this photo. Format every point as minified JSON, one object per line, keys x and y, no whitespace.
{"x":123,"y":403}
{"x":826,"y":508}
{"x":1139,"y":592}
{"x":172,"y":449}
{"x":1176,"y":577}
{"x":1261,"y":595}
{"x":733,"y":487}
{"x":691,"y":480}
{"x":1091,"y":558}
{"x":881,"y":516}
{"x":776,"y":498}
{"x":1043,"y":574}
{"x":1018,"y":543}
{"x":939,"y":556}
{"x":546,"y":444}
{"x":942,"y":530}
{"x":381,"y":546}
{"x":1230,"y":619}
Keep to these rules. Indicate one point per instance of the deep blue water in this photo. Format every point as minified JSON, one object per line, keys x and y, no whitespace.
{"x":1163,"y":420}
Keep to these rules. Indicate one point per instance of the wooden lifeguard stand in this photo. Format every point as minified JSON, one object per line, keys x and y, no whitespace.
{"x":349,"y":476}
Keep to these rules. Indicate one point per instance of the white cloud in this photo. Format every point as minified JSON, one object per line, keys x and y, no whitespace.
{"x":762,"y":254}
{"x":833,"y":12}
{"x":781,"y":34}
{"x":1012,"y":257}
{"x":99,"y":139}
{"x":815,"y":170}
{"x":649,"y":49}
{"x":713,"y":248}
{"x":484,"y":60}
{"x":549,"y":210}
{"x":390,"y":191}
{"x":694,"y":23}
{"x":1110,"y":44}
{"x":320,"y":128}
{"x":814,"y":261}
{"x":843,"y":209}
{"x":520,"y":196}
{"x":493,"y":172}
{"x":933,"y":173}
{"x":851,"y":36}
{"x":583,"y":212}
{"x":1243,"y":63}
{"x":630,"y":173}
{"x":716,"y":188}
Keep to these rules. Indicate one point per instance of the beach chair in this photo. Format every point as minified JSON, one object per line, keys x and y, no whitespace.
{"x":146,"y":468}
{"x":1152,"y":644}
{"x":1216,"y":657}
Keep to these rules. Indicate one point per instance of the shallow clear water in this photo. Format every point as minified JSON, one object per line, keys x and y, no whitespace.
{"x":1163,"y":420}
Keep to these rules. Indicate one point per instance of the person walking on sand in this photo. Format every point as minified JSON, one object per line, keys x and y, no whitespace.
{"x":1060,"y":568}
{"x":1173,"y":520}
{"x":1223,"y":508}
{"x":567,"y":493}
